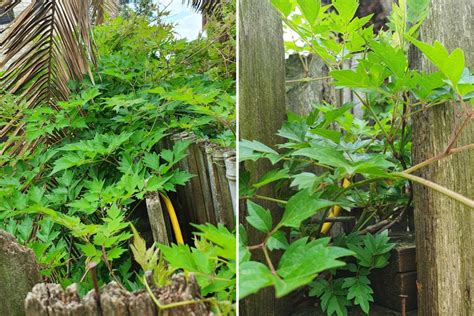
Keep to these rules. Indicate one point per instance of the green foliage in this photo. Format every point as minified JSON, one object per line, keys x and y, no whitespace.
{"x":71,"y":193}
{"x":332,"y":159}
{"x":150,"y":260}
{"x":301,"y":261}
{"x":212,"y":261}
{"x":336,"y":294}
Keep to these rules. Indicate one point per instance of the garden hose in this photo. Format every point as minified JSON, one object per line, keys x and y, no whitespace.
{"x":334,"y":211}
{"x":174,"y":219}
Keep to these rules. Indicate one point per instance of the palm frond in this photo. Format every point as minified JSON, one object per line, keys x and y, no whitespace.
{"x":204,"y":6}
{"x":46,"y":46}
{"x":7,"y":6}
{"x":102,"y":7}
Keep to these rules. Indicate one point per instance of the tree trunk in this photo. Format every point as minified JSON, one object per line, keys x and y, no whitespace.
{"x":262,"y":112}
{"x":444,"y":228}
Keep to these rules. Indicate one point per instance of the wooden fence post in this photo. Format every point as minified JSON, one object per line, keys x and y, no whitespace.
{"x":262,"y":113}
{"x":445,"y":228}
{"x":18,"y":274}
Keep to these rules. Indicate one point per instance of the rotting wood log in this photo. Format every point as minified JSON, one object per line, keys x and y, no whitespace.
{"x":19,"y":272}
{"x":196,"y":201}
{"x":216,"y":197}
{"x":221,"y":194}
{"x":51,"y":300}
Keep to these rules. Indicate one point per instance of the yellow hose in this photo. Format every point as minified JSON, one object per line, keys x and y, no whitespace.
{"x":334,"y":211}
{"x":174,"y":220}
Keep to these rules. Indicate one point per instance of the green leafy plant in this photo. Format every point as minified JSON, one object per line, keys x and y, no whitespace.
{"x":332,"y":159}
{"x":339,"y":292}
{"x":212,"y":261}
{"x":71,"y":195}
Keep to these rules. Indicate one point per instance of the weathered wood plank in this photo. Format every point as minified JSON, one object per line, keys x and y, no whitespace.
{"x":444,"y":227}
{"x":19,"y":272}
{"x":156,"y":217}
{"x":224,"y":193}
{"x":262,"y":112}
{"x":388,"y":288}
{"x":52,"y":300}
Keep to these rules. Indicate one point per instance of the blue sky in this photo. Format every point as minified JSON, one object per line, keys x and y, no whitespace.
{"x":188,"y":22}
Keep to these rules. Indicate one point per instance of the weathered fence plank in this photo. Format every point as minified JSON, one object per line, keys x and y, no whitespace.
{"x":159,"y":226}
{"x":52,"y":300}
{"x":18,"y":274}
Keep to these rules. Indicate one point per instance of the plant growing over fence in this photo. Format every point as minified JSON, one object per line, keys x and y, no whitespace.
{"x":332,"y":159}
{"x":212,"y":261}
{"x":72,"y":198}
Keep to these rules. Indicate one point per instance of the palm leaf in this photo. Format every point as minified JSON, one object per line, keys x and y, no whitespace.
{"x":102,"y":7}
{"x":8,"y":4}
{"x":204,"y":6}
{"x":46,"y":46}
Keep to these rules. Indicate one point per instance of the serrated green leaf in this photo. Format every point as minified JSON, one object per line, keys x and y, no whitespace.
{"x":286,"y":286}
{"x":360,"y":291}
{"x":253,"y":276}
{"x":452,"y":66}
{"x":277,"y":241}
{"x":115,"y":253}
{"x":332,"y":135}
{"x":254,"y":150}
{"x":303,"y":258}
{"x":284,"y":6}
{"x":220,"y":236}
{"x":259,"y":218}
{"x":69,"y":160}
{"x":395,"y":59}
{"x":310,"y":9}
{"x":327,"y":156}
{"x":272,"y":176}
{"x":346,"y":9}
{"x":89,"y":250}
{"x":302,"y":206}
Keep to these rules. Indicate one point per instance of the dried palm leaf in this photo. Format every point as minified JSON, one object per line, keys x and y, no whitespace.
{"x":6,"y":7}
{"x":8,"y":4}
{"x":100,"y":8}
{"x":46,"y":46}
{"x":205,"y":6}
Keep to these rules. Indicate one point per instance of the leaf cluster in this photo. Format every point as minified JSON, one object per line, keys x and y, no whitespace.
{"x":72,"y":194}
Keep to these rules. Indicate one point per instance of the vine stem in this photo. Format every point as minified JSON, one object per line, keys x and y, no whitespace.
{"x":269,"y":261}
{"x":454,"y":195}
{"x":176,"y":304}
{"x":315,"y":163}
{"x":367,"y":104}
{"x":267,"y":198}
{"x":438,"y":157}
{"x":308,"y":79}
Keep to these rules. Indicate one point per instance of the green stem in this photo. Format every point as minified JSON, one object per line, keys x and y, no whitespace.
{"x":266,"y":198}
{"x":438,"y":157}
{"x":309,"y":161}
{"x":374,"y":115}
{"x":308,"y":79}
{"x":173,"y":305}
{"x":269,"y":261}
{"x":454,"y":195}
